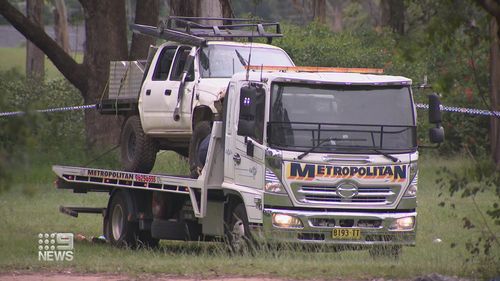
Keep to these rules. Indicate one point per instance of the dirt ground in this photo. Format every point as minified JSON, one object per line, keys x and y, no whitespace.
{"x":68,"y":276}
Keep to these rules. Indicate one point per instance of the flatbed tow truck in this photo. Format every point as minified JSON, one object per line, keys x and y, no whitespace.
{"x":300,"y":155}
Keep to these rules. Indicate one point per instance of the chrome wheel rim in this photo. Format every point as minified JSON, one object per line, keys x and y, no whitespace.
{"x":117,"y":222}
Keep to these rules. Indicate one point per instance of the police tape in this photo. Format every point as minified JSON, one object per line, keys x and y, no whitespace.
{"x":59,"y":109}
{"x":471,"y":111}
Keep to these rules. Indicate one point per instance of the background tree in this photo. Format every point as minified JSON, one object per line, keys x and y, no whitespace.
{"x":61,"y":24}
{"x":106,"y":39}
{"x":146,"y":12}
{"x":493,"y":8}
{"x":393,"y":15}
{"x":35,"y":59}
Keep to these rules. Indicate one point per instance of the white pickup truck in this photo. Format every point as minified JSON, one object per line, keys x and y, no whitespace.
{"x":170,"y":100}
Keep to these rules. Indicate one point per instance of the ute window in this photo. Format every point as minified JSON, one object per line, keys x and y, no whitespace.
{"x":180,"y":61}
{"x":222,"y":61}
{"x":163,"y":64}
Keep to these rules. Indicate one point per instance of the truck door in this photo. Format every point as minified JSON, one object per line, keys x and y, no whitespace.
{"x":248,"y":169}
{"x":159,"y":93}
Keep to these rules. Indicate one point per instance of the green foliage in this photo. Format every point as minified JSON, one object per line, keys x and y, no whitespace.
{"x":468,"y":182}
{"x":26,"y":139}
{"x":316,"y":45}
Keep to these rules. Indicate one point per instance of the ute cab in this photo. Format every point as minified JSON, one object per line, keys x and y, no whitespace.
{"x":324,"y":157}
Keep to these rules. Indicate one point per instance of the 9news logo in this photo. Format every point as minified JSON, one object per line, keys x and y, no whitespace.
{"x":55,"y":246}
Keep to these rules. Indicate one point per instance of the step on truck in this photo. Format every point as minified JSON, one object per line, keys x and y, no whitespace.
{"x":300,"y":155}
{"x":168,"y":99}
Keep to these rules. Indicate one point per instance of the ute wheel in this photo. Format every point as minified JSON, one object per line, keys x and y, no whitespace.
{"x":138,"y":151}
{"x":385,"y":252}
{"x":200,"y":131}
{"x":121,"y":231}
{"x":238,"y":234}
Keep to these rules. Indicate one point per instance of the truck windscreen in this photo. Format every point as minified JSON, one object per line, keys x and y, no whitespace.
{"x":338,"y":118}
{"x":221,"y":61}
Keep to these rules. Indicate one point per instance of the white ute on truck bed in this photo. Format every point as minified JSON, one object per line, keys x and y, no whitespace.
{"x":169,"y":100}
{"x":298,"y":157}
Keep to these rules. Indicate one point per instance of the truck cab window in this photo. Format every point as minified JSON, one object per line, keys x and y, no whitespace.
{"x":180,"y":61}
{"x":163,"y":64}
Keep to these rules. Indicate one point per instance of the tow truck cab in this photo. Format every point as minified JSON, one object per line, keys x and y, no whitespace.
{"x":324,"y":157}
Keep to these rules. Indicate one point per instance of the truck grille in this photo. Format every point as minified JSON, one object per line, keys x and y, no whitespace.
{"x":328,"y":195}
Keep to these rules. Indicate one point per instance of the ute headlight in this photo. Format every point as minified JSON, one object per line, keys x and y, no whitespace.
{"x":286,"y":221}
{"x":402,"y":224}
{"x":273,"y":184}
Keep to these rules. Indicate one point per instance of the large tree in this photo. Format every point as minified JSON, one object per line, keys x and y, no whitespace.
{"x":35,"y":59}
{"x":106,"y":39}
{"x":493,"y":8}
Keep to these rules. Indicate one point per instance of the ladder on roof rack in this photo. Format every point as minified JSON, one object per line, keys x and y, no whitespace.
{"x":196,"y":30}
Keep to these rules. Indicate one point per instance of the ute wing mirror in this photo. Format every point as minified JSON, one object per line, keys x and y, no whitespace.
{"x":436,"y":134}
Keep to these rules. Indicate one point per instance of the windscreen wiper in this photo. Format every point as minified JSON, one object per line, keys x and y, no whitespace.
{"x":313,"y":148}
{"x":386,"y":155}
{"x":240,"y":57}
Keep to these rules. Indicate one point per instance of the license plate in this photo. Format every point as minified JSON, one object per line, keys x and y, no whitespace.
{"x":346,"y":233}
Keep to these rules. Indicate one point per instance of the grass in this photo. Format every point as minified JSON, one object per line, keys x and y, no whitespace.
{"x":31,"y":207}
{"x":15,"y":58}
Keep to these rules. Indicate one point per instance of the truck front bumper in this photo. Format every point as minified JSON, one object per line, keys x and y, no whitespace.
{"x":372,"y":228}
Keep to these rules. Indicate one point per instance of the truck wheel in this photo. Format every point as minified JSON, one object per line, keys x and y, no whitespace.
{"x":121,"y":231}
{"x":138,"y":151}
{"x":238,"y":234}
{"x":200,"y":131}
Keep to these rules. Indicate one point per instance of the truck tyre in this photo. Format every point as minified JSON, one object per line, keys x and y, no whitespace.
{"x":238,"y":234}
{"x":200,"y":131}
{"x":121,"y":231}
{"x":138,"y":151}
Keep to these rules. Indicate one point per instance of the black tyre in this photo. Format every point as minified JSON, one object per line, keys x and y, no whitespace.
{"x":201,"y":130}
{"x":121,"y":231}
{"x":238,"y":234}
{"x":138,"y":151}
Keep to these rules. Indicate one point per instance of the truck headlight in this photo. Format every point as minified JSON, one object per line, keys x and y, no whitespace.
{"x":286,"y":221}
{"x":411,"y":191}
{"x":273,"y":184}
{"x":402,"y":224}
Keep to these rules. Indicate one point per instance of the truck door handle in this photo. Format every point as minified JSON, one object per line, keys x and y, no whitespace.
{"x":237,"y":158}
{"x":168,"y":92}
{"x":148,"y":92}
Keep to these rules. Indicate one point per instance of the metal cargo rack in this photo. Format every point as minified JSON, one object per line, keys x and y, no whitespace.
{"x":197,"y":30}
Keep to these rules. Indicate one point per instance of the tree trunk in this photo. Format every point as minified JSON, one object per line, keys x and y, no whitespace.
{"x":319,"y":11}
{"x":185,"y":8}
{"x":61,"y":24}
{"x":337,"y":25}
{"x":146,"y":12}
{"x":35,"y":59}
{"x":393,"y":15}
{"x":106,"y":40}
{"x":495,"y":90}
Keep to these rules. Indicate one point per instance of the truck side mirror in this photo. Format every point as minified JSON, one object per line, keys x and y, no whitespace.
{"x":436,"y":134}
{"x":251,"y":98}
{"x":434,"y":109}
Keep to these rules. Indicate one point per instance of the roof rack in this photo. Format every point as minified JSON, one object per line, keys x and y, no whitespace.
{"x":315,"y":69}
{"x":197,"y":30}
